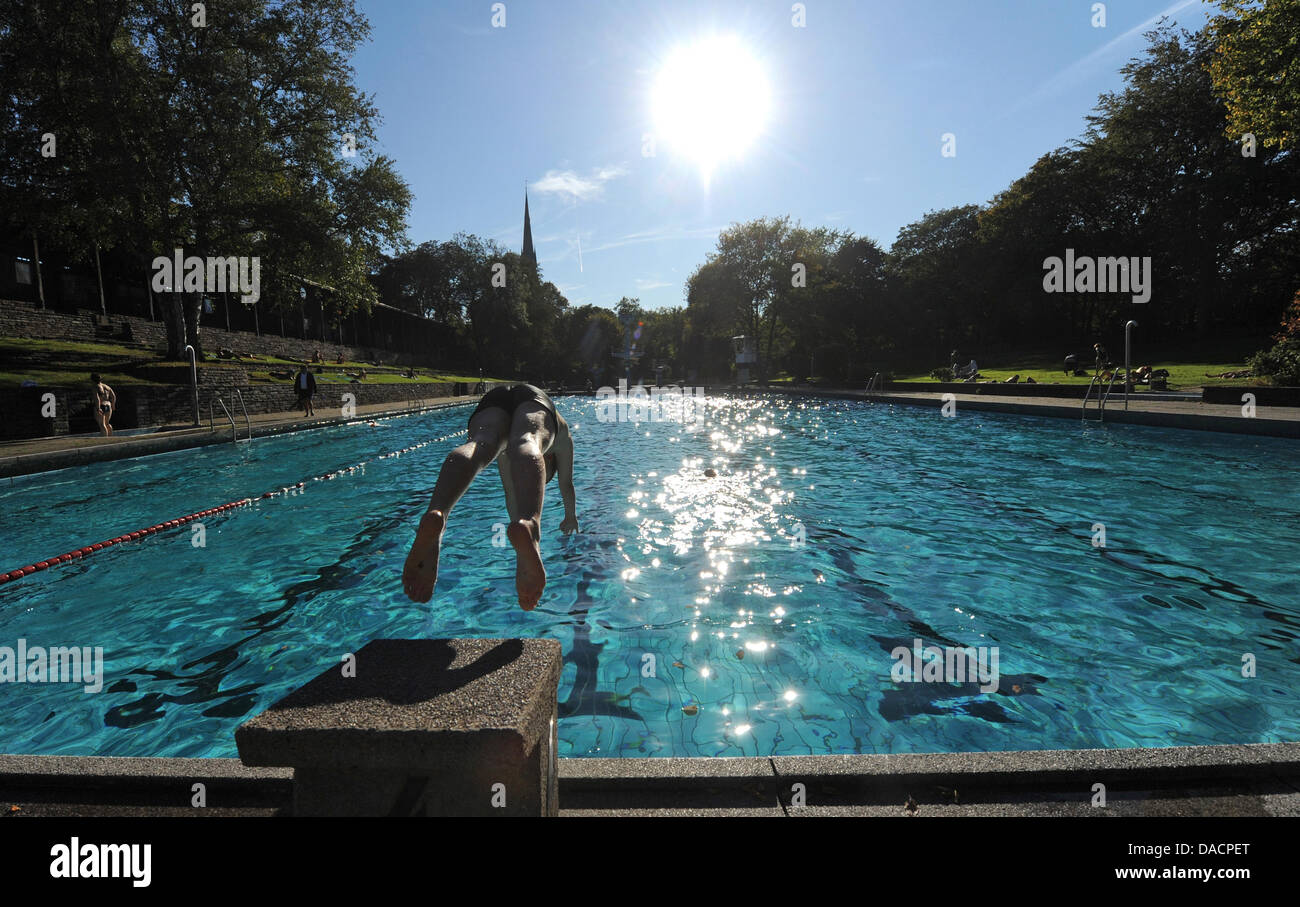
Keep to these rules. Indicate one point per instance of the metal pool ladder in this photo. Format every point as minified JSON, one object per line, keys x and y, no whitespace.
{"x":234,"y":430}
{"x":247,"y":422}
{"x":1101,"y":398}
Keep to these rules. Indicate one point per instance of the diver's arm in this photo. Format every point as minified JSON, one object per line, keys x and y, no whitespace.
{"x":564,"y":475}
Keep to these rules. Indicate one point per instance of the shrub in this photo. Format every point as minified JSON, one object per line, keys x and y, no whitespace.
{"x":1282,"y":362}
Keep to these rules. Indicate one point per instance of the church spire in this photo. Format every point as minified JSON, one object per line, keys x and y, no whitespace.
{"x":528,"y":254}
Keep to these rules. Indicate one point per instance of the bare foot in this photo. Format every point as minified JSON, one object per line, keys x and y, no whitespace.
{"x":530,"y":575}
{"x":421,"y":570}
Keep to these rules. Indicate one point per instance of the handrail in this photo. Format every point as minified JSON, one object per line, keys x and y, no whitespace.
{"x":1088,"y":393}
{"x":1101,"y":397}
{"x":1128,"y":359}
{"x":194,"y":382}
{"x":247,"y":422}
{"x":234,"y":432}
{"x":1110,"y":387}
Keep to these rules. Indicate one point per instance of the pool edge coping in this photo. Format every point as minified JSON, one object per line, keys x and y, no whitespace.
{"x":1019,"y":766}
{"x":1191,"y":421}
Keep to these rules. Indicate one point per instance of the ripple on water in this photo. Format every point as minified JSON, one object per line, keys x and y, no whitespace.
{"x":750,"y":612}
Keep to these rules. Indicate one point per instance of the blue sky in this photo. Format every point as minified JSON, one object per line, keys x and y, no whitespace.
{"x":859,"y":100}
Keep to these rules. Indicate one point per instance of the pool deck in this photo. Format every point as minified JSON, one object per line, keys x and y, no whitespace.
{"x":1241,"y":780}
{"x":34,"y":455}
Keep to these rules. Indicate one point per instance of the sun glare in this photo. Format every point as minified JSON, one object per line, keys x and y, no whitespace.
{"x":710,"y":101}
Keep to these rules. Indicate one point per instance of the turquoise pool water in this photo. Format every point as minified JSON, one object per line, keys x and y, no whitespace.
{"x":770,"y":597}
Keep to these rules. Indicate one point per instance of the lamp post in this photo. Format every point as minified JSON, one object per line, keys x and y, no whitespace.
{"x":1128,"y":359}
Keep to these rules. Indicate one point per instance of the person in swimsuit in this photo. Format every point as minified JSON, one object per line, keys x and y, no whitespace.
{"x":519,"y":428}
{"x":105,"y":401}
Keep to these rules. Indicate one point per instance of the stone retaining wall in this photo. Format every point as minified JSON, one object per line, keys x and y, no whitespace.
{"x":22,"y":319}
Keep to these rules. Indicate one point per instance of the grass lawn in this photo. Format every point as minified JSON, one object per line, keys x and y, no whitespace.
{"x":1188,"y":365}
{"x":1181,"y":374}
{"x":60,"y":362}
{"x":332,"y":376}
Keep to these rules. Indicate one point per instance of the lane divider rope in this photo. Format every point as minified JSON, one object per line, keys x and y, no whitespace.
{"x":88,"y":550}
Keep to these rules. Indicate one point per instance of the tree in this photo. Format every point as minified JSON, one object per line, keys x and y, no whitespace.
{"x":230,"y":136}
{"x":765,"y":271}
{"x":1255,"y":70}
{"x":588,"y":334}
{"x":936,"y":267}
{"x":1183,"y":193}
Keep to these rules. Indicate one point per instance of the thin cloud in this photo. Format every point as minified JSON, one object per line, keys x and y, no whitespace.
{"x":652,"y":236}
{"x":573,"y":187}
{"x":1079,"y":68}
{"x":644,"y":284}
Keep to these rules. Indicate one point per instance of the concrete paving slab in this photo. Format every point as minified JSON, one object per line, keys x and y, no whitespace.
{"x":409,"y":702}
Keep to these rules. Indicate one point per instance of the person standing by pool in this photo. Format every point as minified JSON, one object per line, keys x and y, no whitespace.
{"x":520,"y":429}
{"x":105,"y":402}
{"x":305,"y":384}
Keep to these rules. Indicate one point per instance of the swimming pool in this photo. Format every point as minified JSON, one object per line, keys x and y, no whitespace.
{"x":758,"y":612}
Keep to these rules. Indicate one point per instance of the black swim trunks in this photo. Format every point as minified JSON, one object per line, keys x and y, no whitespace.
{"x":511,"y":398}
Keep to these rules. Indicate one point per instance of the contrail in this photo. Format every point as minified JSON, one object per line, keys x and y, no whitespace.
{"x":579,"y":253}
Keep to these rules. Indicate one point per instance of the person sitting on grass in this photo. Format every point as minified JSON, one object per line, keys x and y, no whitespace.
{"x":105,"y":402}
{"x":519,"y":428}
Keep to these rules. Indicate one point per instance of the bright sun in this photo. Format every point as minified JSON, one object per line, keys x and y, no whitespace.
{"x":710,"y":101}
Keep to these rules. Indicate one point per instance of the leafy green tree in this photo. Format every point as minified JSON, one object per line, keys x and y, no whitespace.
{"x":1182,"y":191}
{"x":1255,"y":69}
{"x":937,"y":271}
{"x":230,"y":136}
{"x":588,"y":334}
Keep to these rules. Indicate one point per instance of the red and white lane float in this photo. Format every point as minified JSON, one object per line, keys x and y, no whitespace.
{"x":88,"y":550}
{"x":135,"y":536}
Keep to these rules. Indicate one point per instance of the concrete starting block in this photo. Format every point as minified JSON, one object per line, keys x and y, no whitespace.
{"x":443,"y":727}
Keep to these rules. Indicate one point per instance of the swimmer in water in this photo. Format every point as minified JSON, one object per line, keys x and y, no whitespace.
{"x":519,"y":428}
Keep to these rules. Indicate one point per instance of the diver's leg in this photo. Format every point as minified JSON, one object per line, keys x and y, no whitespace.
{"x":487,"y":433}
{"x":530,"y":438}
